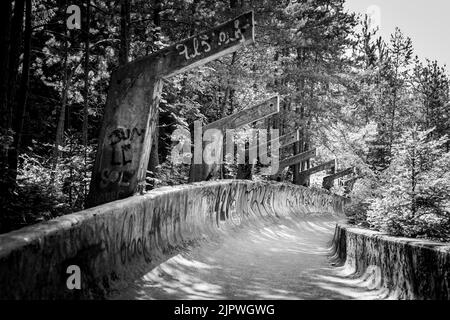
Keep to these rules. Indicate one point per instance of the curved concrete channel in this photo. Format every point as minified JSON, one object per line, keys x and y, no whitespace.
{"x":217,"y":240}
{"x":289,"y":258}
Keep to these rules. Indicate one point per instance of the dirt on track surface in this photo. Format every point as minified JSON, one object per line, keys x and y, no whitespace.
{"x":282,"y":259}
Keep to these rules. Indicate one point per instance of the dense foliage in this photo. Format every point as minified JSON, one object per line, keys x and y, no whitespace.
{"x":367,"y":101}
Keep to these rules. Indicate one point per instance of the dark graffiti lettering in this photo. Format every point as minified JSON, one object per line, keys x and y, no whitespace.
{"x":122,"y":134}
{"x":122,"y":156}
{"x":126,"y":154}
{"x":202,"y":44}
{"x":120,"y":145}
{"x":147,"y":232}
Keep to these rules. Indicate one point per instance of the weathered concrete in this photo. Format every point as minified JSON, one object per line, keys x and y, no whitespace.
{"x":283,"y":258}
{"x":405,"y":268}
{"x":201,"y":171}
{"x":118,"y":241}
{"x":303,"y":176}
{"x":284,"y":141}
{"x":298,"y":158}
{"x":328,"y":181}
{"x":131,"y":110}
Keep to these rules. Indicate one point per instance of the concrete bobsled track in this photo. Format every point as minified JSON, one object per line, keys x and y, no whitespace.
{"x":117,"y":243}
{"x":413,"y":269}
{"x":213,"y":240}
{"x":283,"y":258}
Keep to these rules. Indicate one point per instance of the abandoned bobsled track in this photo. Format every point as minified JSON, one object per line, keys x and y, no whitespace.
{"x":228,"y":239}
{"x":286,"y":258}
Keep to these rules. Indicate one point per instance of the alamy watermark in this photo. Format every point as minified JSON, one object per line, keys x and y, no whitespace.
{"x":74,"y":280}
{"x":209,"y":148}
{"x":373,"y":13}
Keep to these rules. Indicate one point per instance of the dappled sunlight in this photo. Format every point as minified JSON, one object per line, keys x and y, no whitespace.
{"x":267,"y":293}
{"x":178,"y":277}
{"x":317,"y":227}
{"x":289,"y":259}
{"x":345,"y":281}
{"x":353,"y":292}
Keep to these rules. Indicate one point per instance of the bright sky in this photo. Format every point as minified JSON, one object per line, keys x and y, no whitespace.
{"x":426,"y":22}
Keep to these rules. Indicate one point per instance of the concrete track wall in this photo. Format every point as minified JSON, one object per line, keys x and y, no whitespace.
{"x":406,"y":268}
{"x":112,"y":242}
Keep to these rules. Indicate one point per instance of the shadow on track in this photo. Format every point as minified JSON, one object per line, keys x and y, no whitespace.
{"x":286,"y":259}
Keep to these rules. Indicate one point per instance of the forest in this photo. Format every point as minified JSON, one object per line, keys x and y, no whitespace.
{"x":369,"y":102}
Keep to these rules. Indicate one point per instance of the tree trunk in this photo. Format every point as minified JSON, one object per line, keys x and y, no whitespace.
{"x":14,"y":54}
{"x":124,"y":50}
{"x":156,"y":16}
{"x":228,"y":98}
{"x":86,"y":93}
{"x":22,"y":96}
{"x":413,"y":182}
{"x":5,"y":29}
{"x":298,"y":146}
{"x":62,"y":114}
{"x":153,"y":162}
{"x":306,"y":141}
{"x":296,"y":167}
{"x":224,"y":111}
{"x":193,"y":12}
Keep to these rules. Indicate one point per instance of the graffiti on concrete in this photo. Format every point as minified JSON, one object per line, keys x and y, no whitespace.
{"x":158,"y":228}
{"x":113,"y":240}
{"x":119,"y":150}
{"x":218,"y":39}
{"x":120,"y":141}
{"x":133,"y":100}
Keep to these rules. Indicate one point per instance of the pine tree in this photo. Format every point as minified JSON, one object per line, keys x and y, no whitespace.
{"x":432,"y":86}
{"x":415,"y":197}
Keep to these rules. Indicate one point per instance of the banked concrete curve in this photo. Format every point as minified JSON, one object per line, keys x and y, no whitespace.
{"x":113,"y":243}
{"x":403,"y":268}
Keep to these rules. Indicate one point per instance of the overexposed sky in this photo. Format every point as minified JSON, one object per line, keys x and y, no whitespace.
{"x":426,"y":22}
